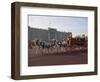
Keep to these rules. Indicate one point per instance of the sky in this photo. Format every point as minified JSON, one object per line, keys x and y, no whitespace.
{"x":76,"y":25}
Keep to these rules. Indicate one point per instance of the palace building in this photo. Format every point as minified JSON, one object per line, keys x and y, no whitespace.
{"x":46,"y":35}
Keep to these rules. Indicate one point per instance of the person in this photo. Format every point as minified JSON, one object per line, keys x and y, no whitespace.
{"x":69,"y":40}
{"x":29,"y":44}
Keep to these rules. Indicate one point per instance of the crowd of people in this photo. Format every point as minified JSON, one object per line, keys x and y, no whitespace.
{"x":40,"y":47}
{"x":47,"y":44}
{"x":53,"y":46}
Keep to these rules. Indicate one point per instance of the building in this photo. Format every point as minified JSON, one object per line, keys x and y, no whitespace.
{"x":51,"y":33}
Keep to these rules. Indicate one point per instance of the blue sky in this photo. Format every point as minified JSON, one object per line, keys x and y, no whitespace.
{"x":76,"y":25}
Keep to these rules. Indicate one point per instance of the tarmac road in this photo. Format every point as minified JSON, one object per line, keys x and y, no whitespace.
{"x":67,"y":58}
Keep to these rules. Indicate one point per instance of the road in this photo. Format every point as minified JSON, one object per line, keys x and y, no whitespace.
{"x":67,"y":58}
